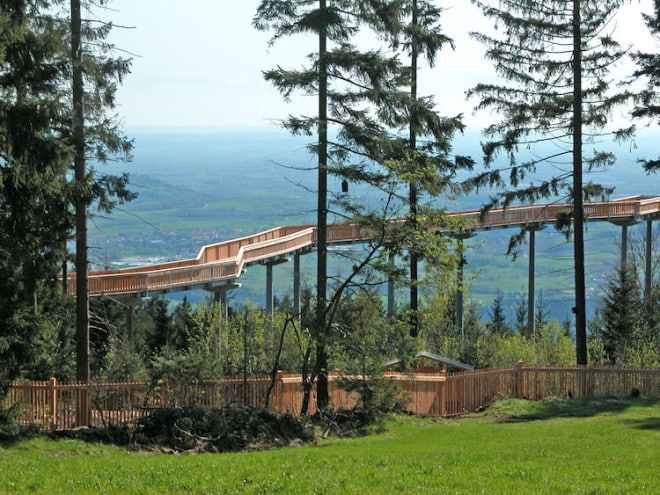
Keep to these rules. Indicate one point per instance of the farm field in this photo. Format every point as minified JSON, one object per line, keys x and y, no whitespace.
{"x":549,"y":447}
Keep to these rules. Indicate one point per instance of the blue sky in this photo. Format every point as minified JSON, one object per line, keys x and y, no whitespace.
{"x":198,"y":64}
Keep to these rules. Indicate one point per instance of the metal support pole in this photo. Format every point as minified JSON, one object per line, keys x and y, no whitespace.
{"x":130,"y":326}
{"x":624,"y":223}
{"x":460,"y":236}
{"x":296,"y":286}
{"x":224,"y":304}
{"x":390,"y":293}
{"x":648,"y":261}
{"x":269,"y":290}
{"x":220,"y":298}
{"x":624,"y":247}
{"x":218,"y":295}
{"x":269,"y":282}
{"x":459,"y":289}
{"x":531,"y":290}
{"x":531,"y":279}
{"x":129,"y":301}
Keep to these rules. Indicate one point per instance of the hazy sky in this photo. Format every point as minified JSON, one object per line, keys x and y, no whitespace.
{"x":198,"y":64}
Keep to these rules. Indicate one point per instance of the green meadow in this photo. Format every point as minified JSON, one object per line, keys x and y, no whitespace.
{"x":514,"y":447}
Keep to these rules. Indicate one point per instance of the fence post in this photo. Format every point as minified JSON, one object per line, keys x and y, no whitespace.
{"x":519,"y":379}
{"x":279,"y":386}
{"x":443,"y":397}
{"x":52,"y":402}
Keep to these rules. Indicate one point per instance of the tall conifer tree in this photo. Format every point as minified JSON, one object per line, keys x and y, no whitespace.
{"x":429,"y":134}
{"x":348,"y":84}
{"x":95,"y":136}
{"x":555,"y":56}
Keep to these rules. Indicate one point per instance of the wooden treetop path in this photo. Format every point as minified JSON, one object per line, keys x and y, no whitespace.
{"x":223,"y":263}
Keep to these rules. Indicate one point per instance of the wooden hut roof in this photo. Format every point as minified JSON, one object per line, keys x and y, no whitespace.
{"x":435,"y":357}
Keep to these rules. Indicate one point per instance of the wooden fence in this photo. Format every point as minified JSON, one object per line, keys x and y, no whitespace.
{"x":69,"y":405}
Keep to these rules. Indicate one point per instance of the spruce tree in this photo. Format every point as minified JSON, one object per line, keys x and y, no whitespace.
{"x":555,"y":57}
{"x":541,"y":314}
{"x":34,"y":155}
{"x":520,"y":312}
{"x":622,"y":314}
{"x":497,"y":324}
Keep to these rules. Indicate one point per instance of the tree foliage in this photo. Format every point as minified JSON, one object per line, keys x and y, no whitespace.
{"x":429,"y":167}
{"x":34,"y":156}
{"x":649,"y":69}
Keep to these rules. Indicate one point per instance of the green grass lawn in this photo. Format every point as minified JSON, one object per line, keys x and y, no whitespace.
{"x":549,"y":447}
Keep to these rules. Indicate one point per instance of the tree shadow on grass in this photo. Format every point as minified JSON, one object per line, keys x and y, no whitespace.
{"x":7,"y":443}
{"x":651,"y":424}
{"x":577,"y":408}
{"x":11,"y":436}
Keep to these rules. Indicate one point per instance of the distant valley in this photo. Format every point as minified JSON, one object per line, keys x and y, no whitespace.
{"x":197,"y":188}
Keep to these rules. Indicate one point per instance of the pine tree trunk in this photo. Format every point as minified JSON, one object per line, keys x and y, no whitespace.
{"x":82,"y":298}
{"x":322,"y":248}
{"x":578,"y":208}
{"x":413,"y":187}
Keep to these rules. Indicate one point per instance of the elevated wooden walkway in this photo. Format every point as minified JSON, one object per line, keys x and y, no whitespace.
{"x":223,"y":263}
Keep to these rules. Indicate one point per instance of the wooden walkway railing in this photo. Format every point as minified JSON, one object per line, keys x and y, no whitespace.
{"x":64,"y":406}
{"x":225,"y":261}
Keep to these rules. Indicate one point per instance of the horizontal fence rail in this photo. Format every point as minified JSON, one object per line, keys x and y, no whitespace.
{"x":225,"y":261}
{"x":61,"y":406}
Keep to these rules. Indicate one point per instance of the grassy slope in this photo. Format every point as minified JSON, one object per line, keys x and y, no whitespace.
{"x":515,"y":447}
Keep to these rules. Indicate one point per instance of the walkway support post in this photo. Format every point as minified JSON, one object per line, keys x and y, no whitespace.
{"x":129,"y":301}
{"x":624,"y":246}
{"x":531,"y":280}
{"x":269,"y":290}
{"x":460,"y":237}
{"x":220,"y":297}
{"x":459,"y":290}
{"x":390,"y":292}
{"x":624,"y":223}
{"x":270,"y":310}
{"x":296,"y":286}
{"x":648,"y":275}
{"x":130,"y":325}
